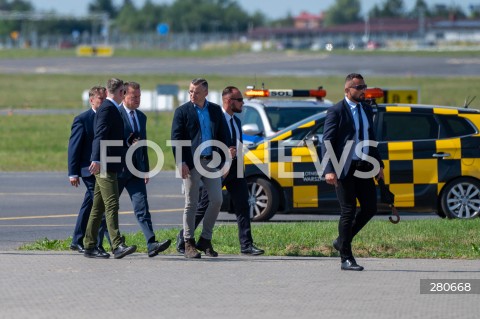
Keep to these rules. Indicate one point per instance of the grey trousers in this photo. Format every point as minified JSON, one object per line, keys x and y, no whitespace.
{"x":214,"y":188}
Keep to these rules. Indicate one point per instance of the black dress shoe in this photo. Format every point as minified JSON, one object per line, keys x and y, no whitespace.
{"x":205,"y":245}
{"x":180,"y":243}
{"x":157,"y":247}
{"x":336,"y":245}
{"x":96,"y":253}
{"x":252,"y":250}
{"x":77,"y":247}
{"x":123,"y":250}
{"x":351,"y":264}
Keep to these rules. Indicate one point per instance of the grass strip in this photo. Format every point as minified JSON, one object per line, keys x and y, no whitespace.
{"x":430,"y":239}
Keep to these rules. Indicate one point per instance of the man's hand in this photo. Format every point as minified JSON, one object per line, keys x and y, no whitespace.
{"x":380,"y":174}
{"x":233,"y":152}
{"x":331,"y":178}
{"x":75,"y":181}
{"x":146,"y":180}
{"x":94,"y":168}
{"x":184,"y":171}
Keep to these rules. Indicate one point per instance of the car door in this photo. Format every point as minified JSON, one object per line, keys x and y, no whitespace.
{"x":417,"y":159}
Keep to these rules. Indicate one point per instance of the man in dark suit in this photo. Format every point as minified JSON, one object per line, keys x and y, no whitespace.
{"x":134,"y":177}
{"x":199,"y":124}
{"x":236,"y":185}
{"x":349,"y":128}
{"x":79,"y":152}
{"x":107,"y":159}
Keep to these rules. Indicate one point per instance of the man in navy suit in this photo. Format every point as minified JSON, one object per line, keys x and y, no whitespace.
{"x":135,"y":178}
{"x":236,"y":185}
{"x":79,"y":152}
{"x":348,"y":126}
{"x":200,"y":124}
{"x":107,"y":159}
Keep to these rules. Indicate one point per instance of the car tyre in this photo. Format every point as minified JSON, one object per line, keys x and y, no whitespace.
{"x":263,"y":199}
{"x":461,"y":198}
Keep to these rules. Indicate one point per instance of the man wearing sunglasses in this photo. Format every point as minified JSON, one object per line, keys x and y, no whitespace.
{"x":349,"y":124}
{"x":236,"y":185}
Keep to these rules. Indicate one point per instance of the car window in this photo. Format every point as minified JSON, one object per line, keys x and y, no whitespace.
{"x":282,"y":117}
{"x":251,"y":116}
{"x":408,"y":127}
{"x":454,"y":126}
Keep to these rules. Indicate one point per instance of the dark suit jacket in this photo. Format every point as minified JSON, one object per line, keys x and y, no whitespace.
{"x":80,"y":144}
{"x":186,"y":126}
{"x":108,"y":126}
{"x":339,"y":128}
{"x":141,"y":154}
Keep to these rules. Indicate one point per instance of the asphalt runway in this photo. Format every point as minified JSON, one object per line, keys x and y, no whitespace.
{"x":38,"y":205}
{"x":251,"y":64}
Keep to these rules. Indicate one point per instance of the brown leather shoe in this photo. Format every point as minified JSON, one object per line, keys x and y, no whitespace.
{"x":190,"y":251}
{"x":205,"y":245}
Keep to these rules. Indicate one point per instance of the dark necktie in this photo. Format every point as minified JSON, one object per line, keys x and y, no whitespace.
{"x":360,"y":122}
{"x":234,"y":133}
{"x":135,"y":126}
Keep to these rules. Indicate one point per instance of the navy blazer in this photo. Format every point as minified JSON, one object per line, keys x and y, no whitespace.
{"x":141,"y":154}
{"x":80,"y":144}
{"x":339,"y":128}
{"x":186,"y":126}
{"x":108,"y":126}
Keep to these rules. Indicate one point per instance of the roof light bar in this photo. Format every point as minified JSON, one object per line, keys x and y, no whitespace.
{"x":286,"y":93}
{"x":373,"y":93}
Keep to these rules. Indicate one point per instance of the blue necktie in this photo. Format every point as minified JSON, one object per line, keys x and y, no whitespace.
{"x":135,"y":126}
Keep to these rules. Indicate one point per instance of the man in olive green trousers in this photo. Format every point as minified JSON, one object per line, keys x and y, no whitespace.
{"x":108,"y":127}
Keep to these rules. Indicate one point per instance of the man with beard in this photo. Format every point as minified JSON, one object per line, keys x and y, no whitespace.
{"x":351,"y":120}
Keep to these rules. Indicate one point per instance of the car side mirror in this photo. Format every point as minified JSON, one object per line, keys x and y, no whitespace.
{"x":251,"y":129}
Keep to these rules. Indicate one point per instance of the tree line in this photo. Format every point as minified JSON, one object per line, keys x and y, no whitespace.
{"x":211,"y":16}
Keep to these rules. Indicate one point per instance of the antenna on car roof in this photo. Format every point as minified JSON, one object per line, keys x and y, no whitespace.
{"x":467,"y":102}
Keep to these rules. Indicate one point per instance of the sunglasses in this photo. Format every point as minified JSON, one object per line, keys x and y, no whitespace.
{"x":359,"y":87}
{"x":239,"y":99}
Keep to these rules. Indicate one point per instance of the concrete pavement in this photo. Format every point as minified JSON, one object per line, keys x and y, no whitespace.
{"x":67,"y":285}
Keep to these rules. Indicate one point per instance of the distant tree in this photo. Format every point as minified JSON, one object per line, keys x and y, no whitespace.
{"x":288,"y":21}
{"x":7,"y":26}
{"x":420,"y":6}
{"x":207,"y":16}
{"x":98,"y":6}
{"x":16,"y":5}
{"x":128,"y":20}
{"x":388,"y":9}
{"x":151,"y":15}
{"x":448,"y":12}
{"x":342,"y":12}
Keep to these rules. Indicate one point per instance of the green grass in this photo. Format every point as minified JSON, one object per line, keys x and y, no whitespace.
{"x":54,"y":91}
{"x":433,"y":238}
{"x":40,"y":142}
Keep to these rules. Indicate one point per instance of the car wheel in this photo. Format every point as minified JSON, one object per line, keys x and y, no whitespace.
{"x":461,"y":198}
{"x":263,"y":199}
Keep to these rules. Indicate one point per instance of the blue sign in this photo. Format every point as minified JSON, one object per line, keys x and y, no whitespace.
{"x":162,"y":28}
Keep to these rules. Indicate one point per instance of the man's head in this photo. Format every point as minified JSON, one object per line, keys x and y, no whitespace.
{"x":198,"y":91}
{"x":232,"y":100}
{"x":132,"y":96}
{"x":355,"y":87}
{"x":115,"y":89}
{"x":96,"y":96}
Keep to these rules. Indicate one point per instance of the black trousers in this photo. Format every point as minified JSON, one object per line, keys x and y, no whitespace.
{"x":238,"y":190}
{"x":350,"y":189}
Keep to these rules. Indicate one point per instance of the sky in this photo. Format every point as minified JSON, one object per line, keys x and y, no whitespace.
{"x":273,"y":9}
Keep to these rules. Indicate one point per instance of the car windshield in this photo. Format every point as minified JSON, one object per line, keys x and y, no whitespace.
{"x":282,"y":117}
